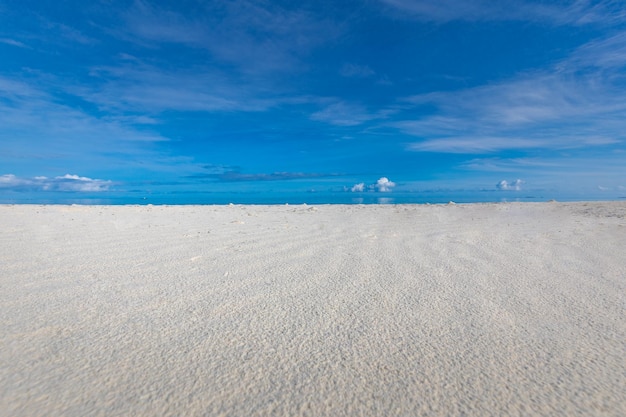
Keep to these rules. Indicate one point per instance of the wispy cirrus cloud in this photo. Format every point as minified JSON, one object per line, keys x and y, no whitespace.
{"x":468,"y":144}
{"x":256,"y":37}
{"x":342,"y":113}
{"x":225,"y":174}
{"x":274,"y":176}
{"x":581,"y":170}
{"x":605,"y":54}
{"x":149,"y":21}
{"x":69,"y":33}
{"x":37,"y":29}
{"x":568,"y":164}
{"x":576,"y":103}
{"x":34,"y":121}
{"x":145,"y":88}
{"x":575,"y":12}
{"x":510,"y":164}
{"x":345,"y":113}
{"x":13,"y":42}
{"x":28,"y":106}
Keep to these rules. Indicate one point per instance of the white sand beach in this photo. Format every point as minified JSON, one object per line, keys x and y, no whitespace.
{"x":511,"y":309}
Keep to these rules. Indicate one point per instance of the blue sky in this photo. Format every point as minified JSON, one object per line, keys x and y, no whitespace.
{"x":152,"y":97}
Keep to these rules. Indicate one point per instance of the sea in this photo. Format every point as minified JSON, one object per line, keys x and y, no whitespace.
{"x":310,"y":198}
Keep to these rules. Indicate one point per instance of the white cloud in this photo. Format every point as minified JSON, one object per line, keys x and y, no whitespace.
{"x":577,"y":103}
{"x":470,"y":144}
{"x":11,"y":181}
{"x":510,"y":186}
{"x":571,"y":13}
{"x":575,"y":171}
{"x":66,"y":182}
{"x":256,"y":36}
{"x":513,"y":164}
{"x":605,"y":53}
{"x":36,"y":126}
{"x":12,"y":42}
{"x":358,"y":188}
{"x":152,"y":23}
{"x":76,"y":183}
{"x":140,"y":88}
{"x":383,"y":185}
{"x":343,"y":114}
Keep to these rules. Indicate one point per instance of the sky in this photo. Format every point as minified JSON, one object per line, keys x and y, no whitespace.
{"x":140,"y":99}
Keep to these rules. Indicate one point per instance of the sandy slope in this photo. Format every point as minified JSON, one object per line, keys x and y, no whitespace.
{"x":487,"y":309}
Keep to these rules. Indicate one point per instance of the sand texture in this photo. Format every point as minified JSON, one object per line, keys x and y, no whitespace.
{"x":409,"y":310}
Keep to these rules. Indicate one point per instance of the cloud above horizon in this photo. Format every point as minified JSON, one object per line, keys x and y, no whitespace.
{"x":505,"y":185}
{"x":383,"y":185}
{"x":67,"y":182}
{"x":358,"y":188}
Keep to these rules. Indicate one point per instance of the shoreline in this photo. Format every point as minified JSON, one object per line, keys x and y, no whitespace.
{"x":419,"y":204}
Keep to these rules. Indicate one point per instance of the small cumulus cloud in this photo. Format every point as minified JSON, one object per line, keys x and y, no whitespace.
{"x":358,"y":188}
{"x":67,"y":182}
{"x":505,"y":185}
{"x":383,"y":185}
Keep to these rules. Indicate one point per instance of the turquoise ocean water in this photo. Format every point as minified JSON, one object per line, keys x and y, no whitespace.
{"x":213,"y":198}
